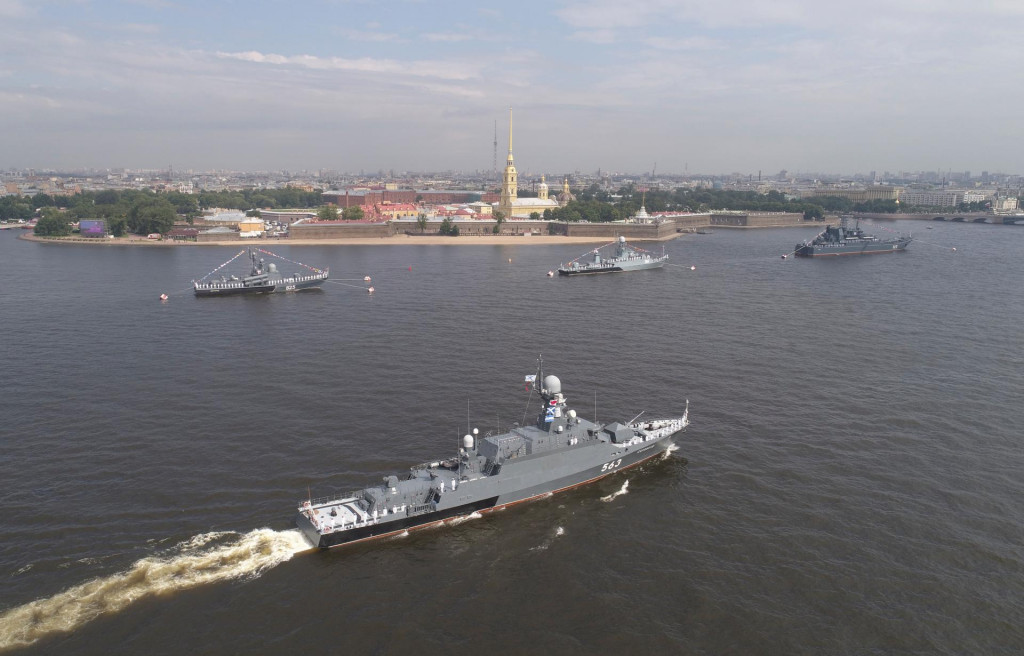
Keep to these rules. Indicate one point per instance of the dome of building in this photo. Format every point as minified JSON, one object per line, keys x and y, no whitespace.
{"x":565,"y":196}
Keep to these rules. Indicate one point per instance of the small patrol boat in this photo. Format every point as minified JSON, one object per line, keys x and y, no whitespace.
{"x":559,"y":451}
{"x":264,"y":277}
{"x":626,"y":258}
{"x":844,"y":240}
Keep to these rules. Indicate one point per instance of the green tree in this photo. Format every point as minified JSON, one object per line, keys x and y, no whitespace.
{"x":535,"y":216}
{"x":421,"y":221}
{"x":43,"y":200}
{"x":53,"y":223}
{"x":255,"y":213}
{"x":15,"y":207}
{"x":327,"y":213}
{"x":449,"y":228}
{"x":814,"y":213}
{"x":106,"y":197}
{"x":150,"y":214}
{"x":117,"y":227}
{"x":354,"y":213}
{"x":499,"y":219}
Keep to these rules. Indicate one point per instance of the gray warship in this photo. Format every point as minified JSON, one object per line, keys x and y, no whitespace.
{"x":557,"y":452}
{"x":264,"y":278}
{"x":626,"y":258}
{"x":844,"y":240}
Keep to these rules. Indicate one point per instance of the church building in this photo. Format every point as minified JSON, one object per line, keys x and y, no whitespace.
{"x":509,"y":203}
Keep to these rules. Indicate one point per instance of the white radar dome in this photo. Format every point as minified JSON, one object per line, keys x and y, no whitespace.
{"x":572,"y":414}
{"x":467,"y":442}
{"x":622,"y":239}
{"x":552,"y":384}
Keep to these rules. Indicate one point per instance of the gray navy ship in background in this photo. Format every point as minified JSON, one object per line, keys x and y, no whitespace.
{"x":263,"y":278}
{"x":626,"y":258}
{"x":844,"y":240}
{"x":559,"y":451}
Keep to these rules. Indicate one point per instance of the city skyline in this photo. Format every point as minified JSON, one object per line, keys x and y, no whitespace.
{"x":346,"y":85}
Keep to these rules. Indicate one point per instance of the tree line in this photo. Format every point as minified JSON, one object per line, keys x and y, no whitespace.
{"x":144,"y":212}
{"x":596,"y":205}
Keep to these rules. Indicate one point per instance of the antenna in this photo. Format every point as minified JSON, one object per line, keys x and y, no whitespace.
{"x":595,"y":406}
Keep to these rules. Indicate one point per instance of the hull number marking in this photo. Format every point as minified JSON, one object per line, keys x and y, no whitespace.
{"x":611,"y":465}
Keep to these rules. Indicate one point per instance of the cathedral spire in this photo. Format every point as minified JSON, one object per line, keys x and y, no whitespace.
{"x":510,"y":136}
{"x":509,"y":185}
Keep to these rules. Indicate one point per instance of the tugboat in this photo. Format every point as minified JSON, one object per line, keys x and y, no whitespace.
{"x":843,"y":240}
{"x":264,"y":278}
{"x":626,"y":258}
{"x":559,"y":451}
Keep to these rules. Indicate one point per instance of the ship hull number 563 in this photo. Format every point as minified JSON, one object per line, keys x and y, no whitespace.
{"x":609,"y":466}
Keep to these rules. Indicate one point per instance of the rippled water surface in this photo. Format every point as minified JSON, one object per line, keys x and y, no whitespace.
{"x":851,"y":482}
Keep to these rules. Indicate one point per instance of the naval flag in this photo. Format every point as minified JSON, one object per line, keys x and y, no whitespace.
{"x":532,"y":378}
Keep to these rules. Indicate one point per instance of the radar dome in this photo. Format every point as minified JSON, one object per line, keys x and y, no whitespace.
{"x":552,"y":384}
{"x":622,"y":239}
{"x":467,"y":442}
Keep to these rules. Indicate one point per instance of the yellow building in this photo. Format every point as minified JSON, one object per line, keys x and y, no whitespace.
{"x":509,"y":202}
{"x":250,"y":227}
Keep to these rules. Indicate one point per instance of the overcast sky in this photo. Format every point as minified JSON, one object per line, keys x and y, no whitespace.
{"x":710,"y":86}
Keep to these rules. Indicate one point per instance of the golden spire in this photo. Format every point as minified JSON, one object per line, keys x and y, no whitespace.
{"x":510,"y":134}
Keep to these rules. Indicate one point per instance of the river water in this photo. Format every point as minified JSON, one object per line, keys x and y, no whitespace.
{"x":850,"y":484}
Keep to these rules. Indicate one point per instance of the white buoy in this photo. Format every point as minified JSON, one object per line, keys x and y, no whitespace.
{"x":954,"y":249}
{"x":550,"y":274}
{"x":784,"y":256}
{"x":693,"y":268}
{"x":369,"y":290}
{"x":366,"y":278}
{"x":510,"y":260}
{"x":163,"y":297}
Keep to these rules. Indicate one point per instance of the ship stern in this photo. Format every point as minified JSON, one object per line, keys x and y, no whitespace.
{"x":312,"y":535}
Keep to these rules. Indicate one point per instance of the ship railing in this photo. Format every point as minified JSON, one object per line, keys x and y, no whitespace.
{"x":323,"y":501}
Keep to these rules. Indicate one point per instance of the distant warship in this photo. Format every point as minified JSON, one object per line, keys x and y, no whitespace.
{"x":843,"y":240}
{"x":626,"y":258}
{"x":264,"y":278}
{"x":557,"y":452}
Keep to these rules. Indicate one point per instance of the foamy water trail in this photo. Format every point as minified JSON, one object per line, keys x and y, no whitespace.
{"x":206,"y":558}
{"x":622,"y":490}
{"x":464,"y":518}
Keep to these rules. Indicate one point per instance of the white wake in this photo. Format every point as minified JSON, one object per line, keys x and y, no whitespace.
{"x":206,"y":558}
{"x":622,"y":490}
